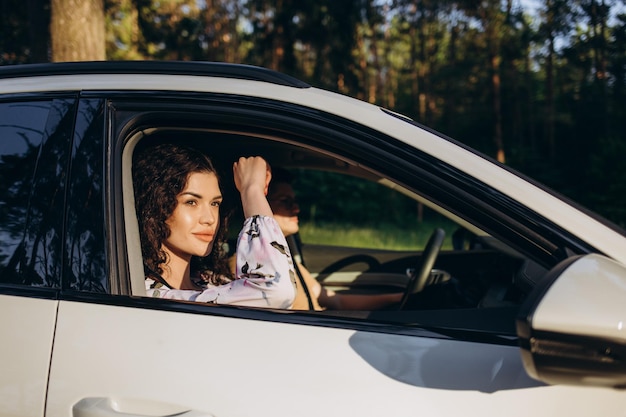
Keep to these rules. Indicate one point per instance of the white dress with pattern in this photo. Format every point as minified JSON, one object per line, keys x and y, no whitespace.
{"x":265,"y":274}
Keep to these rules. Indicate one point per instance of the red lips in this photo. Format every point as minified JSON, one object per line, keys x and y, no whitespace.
{"x":205,"y":237}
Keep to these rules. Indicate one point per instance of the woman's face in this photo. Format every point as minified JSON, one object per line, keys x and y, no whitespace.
{"x":195,"y":220}
{"x":285,"y":208}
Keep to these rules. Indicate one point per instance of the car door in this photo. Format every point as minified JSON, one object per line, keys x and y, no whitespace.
{"x":152,"y":359}
{"x":117,"y":352}
{"x":34,"y":148}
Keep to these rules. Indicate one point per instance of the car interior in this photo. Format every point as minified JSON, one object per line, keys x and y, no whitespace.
{"x":462,"y":279}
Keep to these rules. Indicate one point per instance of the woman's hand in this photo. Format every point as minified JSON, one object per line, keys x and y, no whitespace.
{"x":252,"y":177}
{"x":251,"y":172}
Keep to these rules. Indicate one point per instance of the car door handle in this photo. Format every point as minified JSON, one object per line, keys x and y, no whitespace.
{"x":109,"y":407}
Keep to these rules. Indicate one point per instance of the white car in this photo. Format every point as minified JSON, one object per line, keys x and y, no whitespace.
{"x":526,"y":320}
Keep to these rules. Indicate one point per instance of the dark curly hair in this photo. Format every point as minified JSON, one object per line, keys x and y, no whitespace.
{"x":160,"y":174}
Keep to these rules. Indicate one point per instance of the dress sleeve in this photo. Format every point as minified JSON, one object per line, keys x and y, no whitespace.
{"x":265,"y":274}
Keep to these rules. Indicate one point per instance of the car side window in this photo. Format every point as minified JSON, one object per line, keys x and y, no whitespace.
{"x":359,"y":213}
{"x":358,"y":230}
{"x":34,"y":147}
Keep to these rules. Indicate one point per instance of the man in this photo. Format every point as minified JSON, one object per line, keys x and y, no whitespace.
{"x":282,"y":199}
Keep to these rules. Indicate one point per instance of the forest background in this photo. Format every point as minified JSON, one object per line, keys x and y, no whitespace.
{"x":538,"y":85}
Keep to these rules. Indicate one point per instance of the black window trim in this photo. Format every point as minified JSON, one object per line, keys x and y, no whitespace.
{"x":195,"y":68}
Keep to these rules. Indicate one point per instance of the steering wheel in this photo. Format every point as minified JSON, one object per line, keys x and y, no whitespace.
{"x":349,"y":260}
{"x":426,"y":262}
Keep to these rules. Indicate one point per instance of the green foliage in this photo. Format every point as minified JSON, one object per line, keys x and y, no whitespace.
{"x":24,"y":36}
{"x":545,"y":89}
{"x":122,"y":38}
{"x":381,"y":236}
{"x":605,"y":185}
{"x":361,"y":213}
{"x":326,"y":197}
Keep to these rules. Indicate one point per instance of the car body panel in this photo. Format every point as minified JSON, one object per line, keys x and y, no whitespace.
{"x":26,"y":330}
{"x":234,"y":367}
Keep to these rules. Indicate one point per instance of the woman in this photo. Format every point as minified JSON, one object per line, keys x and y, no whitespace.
{"x":178,"y":200}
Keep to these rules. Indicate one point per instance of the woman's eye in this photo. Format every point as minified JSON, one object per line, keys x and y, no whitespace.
{"x":191,"y":202}
{"x":216,"y":203}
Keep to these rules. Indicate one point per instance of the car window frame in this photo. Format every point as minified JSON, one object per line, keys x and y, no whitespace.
{"x":132,"y":114}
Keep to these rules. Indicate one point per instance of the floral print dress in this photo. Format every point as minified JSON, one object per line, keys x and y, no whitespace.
{"x":265,"y":274}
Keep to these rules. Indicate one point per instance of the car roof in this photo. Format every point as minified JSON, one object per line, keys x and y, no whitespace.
{"x":207,"y":69}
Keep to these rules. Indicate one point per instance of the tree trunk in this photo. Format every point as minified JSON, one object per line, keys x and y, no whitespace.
{"x":497,"y":107}
{"x":413,"y":64}
{"x":77,"y":30}
{"x":493,"y":31}
{"x":599,"y":34}
{"x":550,"y":110}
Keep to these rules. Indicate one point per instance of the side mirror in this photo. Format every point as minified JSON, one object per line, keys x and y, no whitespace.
{"x":572,"y":327}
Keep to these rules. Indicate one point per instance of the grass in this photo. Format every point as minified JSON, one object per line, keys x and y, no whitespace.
{"x":381,"y":237}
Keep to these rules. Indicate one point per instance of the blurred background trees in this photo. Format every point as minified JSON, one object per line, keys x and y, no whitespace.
{"x":77,"y":30}
{"x":537,"y":84}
